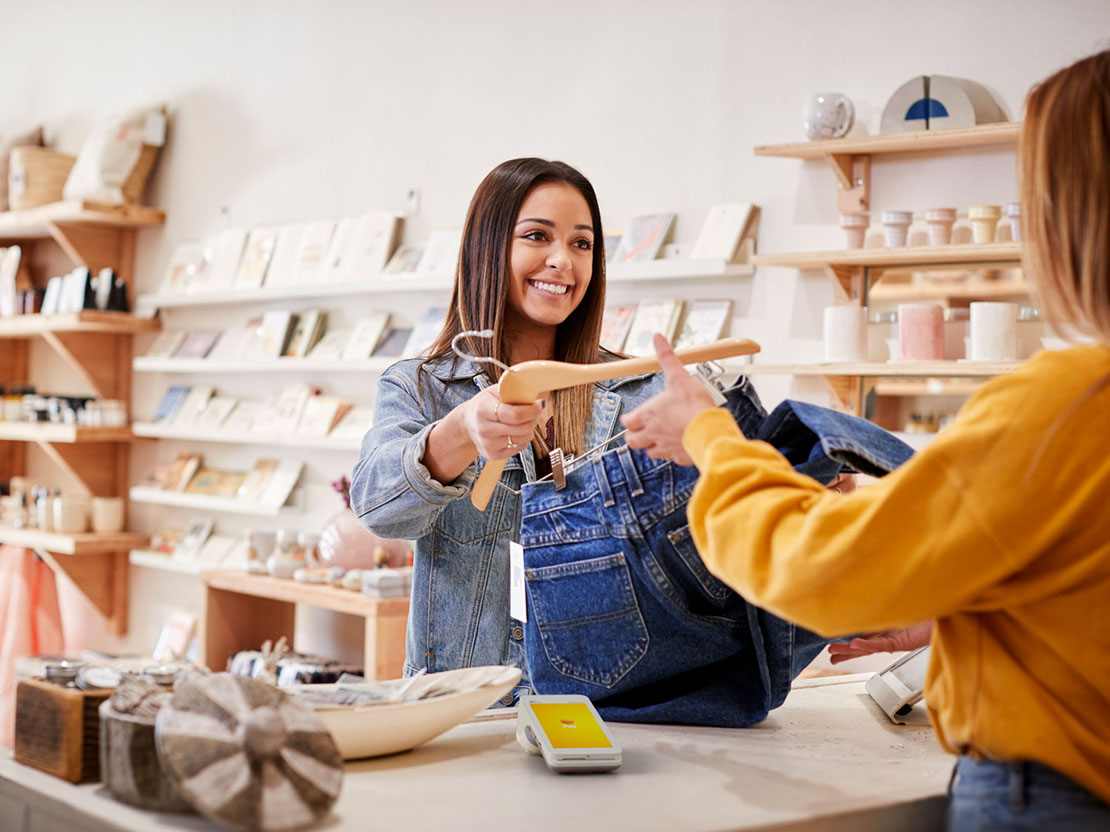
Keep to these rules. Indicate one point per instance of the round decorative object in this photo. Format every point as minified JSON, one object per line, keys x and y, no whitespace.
{"x":94,"y":677}
{"x":344,"y":542}
{"x":246,"y":755}
{"x":828,"y":115}
{"x":61,"y":673}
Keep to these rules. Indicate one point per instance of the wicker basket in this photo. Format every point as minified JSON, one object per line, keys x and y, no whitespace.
{"x":37,"y":175}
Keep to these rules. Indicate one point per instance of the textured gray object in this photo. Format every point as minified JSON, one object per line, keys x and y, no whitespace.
{"x":246,"y":755}
{"x":129,"y":765}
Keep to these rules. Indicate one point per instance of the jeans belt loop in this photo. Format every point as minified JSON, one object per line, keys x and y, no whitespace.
{"x":603,"y":482}
{"x":1018,"y":777}
{"x":629,"y":467}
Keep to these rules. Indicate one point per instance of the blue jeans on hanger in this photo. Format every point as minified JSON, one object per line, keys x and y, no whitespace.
{"x":621,"y":607}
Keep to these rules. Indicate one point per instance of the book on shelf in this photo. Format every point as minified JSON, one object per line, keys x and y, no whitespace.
{"x":166,"y":540}
{"x":355,"y":424}
{"x":612,"y":243}
{"x":365,"y":337}
{"x":176,"y":635}
{"x":644,"y":238}
{"x":196,"y":532}
{"x":171,"y":403}
{"x":197,"y":344}
{"x":215,"y":482}
{"x":374,"y":238}
{"x":216,"y":413}
{"x":724,"y":228}
{"x":281,"y":413}
{"x":652,"y":316}
{"x":256,"y":478}
{"x":307,"y":331}
{"x":185,"y":268}
{"x":441,"y":255}
{"x":274,"y":333}
{"x":314,"y":244}
{"x":337,"y":258}
{"x":283,"y":263}
{"x":194,"y":403}
{"x":331,"y":346}
{"x":705,"y":322}
{"x":321,"y":414}
{"x":237,"y":342}
{"x":426,"y":331}
{"x":393,"y":344}
{"x":222,"y":254}
{"x":404,"y":260}
{"x":242,"y":416}
{"x":615,"y":323}
{"x":279,"y":485}
{"x":256,"y":258}
{"x":176,"y":475}
{"x":166,"y":344}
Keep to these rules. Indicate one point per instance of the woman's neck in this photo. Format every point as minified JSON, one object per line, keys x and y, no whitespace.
{"x":530,"y":343}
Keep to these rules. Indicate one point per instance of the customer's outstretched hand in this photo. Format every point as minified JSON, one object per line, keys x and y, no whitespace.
{"x":657,"y":425}
{"x":885,"y":641}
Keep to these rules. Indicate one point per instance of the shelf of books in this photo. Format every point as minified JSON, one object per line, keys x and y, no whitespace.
{"x":88,"y":543}
{"x":206,"y":502}
{"x":982,"y":135}
{"x":146,"y":364}
{"x":906,"y":256}
{"x":63,"y":434}
{"x":891,"y":292}
{"x":36,"y":222}
{"x":157,"y":430}
{"x":889,"y":369}
{"x":87,"y":320}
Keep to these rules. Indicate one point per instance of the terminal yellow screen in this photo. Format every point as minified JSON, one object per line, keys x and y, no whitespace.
{"x":570,"y":725}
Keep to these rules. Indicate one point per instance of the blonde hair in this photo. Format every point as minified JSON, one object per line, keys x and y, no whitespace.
{"x":1065,"y":194}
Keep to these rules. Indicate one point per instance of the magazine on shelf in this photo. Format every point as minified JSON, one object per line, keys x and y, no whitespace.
{"x":355,"y":424}
{"x":166,"y":344}
{"x":374,"y":238}
{"x":281,"y":413}
{"x":426,"y":331}
{"x":615,"y":323}
{"x":196,"y":532}
{"x":441,"y":254}
{"x":197,"y":344}
{"x":724,"y":227}
{"x":337,"y":259}
{"x":256,"y":257}
{"x":185,"y":268}
{"x":222,"y":255}
{"x":215,"y":482}
{"x":393,"y":344}
{"x":321,"y":414}
{"x":705,"y":322}
{"x":171,"y":403}
{"x":307,"y":331}
{"x":274,"y":333}
{"x":180,"y":471}
{"x":194,"y":403}
{"x":256,"y":478}
{"x":237,"y":342}
{"x":242,"y":416}
{"x":286,"y":249}
{"x":404,"y":260}
{"x":644,"y":238}
{"x":216,"y":413}
{"x":365,"y":337}
{"x":279,"y":485}
{"x":331,"y":346}
{"x":652,"y":316}
{"x":312,"y":251}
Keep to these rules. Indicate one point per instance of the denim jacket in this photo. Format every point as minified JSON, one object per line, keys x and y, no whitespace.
{"x":460,"y":595}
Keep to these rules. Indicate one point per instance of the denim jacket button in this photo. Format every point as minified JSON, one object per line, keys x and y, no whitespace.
{"x":518,"y":633}
{"x":507,"y":699}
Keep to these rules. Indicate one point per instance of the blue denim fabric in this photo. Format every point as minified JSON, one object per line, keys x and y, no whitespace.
{"x":990,"y":795}
{"x":460,"y":596}
{"x":621,"y":606}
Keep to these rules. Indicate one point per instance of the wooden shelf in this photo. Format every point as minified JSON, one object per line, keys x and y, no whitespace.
{"x":60,"y":434}
{"x":890,"y":258}
{"x":963,"y":290}
{"x":35,"y":223}
{"x":930,"y":387}
{"x":983,"y":135}
{"x":901,"y":369}
{"x":242,"y":610}
{"x":142,"y":364}
{"x":154,"y":430}
{"x":204,"y":502}
{"x":72,"y":544}
{"x":88,"y":320}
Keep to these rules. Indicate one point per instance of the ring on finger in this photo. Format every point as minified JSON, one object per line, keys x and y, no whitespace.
{"x":496,"y":408}
{"x":509,"y":443}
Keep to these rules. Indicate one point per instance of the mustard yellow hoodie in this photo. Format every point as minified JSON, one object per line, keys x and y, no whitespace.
{"x":999,"y":530}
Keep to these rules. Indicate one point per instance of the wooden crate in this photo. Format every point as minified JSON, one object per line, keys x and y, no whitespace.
{"x":57,"y":729}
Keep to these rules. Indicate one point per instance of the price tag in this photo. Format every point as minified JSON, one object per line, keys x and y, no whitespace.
{"x":518,"y":599}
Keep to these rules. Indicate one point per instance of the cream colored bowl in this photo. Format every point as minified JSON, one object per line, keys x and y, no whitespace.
{"x":373,"y":730}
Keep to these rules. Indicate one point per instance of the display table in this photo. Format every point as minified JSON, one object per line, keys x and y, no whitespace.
{"x":828,"y":759}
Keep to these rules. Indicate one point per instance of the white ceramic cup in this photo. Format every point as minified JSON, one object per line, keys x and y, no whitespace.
{"x":984,"y":222}
{"x":855,"y":227}
{"x":107,"y":514}
{"x":896,"y":226}
{"x":940,"y":222}
{"x":71,"y":515}
{"x":993,"y":331}
{"x":846,"y":333}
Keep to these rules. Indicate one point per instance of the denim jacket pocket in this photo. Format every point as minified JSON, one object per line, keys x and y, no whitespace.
{"x":588,"y":619}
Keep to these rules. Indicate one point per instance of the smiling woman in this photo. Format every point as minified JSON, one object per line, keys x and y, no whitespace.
{"x":531,"y":271}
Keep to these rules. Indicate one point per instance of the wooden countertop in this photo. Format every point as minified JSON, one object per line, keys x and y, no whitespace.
{"x":828,"y":759}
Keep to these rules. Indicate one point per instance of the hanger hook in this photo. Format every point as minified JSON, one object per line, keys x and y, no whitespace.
{"x":475,"y":333}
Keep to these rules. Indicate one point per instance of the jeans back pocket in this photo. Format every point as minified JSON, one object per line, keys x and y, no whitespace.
{"x":588,"y":619}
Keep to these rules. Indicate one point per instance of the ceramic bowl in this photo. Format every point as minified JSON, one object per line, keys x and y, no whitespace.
{"x":374,"y":730}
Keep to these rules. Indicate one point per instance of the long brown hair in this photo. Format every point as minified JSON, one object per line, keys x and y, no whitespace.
{"x":482,"y":288}
{"x":1065,"y":194}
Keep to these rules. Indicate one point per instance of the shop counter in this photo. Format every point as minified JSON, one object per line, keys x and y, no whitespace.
{"x":828,"y":759}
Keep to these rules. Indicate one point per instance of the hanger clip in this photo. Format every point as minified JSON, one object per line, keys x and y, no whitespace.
{"x":708,"y":374}
{"x":558,"y":474}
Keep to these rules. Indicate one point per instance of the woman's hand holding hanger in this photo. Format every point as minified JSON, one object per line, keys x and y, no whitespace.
{"x":496,"y":429}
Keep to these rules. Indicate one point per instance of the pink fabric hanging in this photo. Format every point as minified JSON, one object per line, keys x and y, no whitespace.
{"x":30,"y":622}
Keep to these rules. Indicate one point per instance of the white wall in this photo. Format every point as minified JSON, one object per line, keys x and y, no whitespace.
{"x":301,"y":110}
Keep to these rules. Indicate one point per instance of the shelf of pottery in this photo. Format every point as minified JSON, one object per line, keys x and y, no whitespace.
{"x":258,"y":388}
{"x":932,"y":305}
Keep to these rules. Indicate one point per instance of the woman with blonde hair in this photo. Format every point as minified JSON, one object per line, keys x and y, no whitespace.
{"x":999,"y":530}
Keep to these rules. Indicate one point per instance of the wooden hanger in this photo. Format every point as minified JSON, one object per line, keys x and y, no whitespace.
{"x":522,"y":384}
